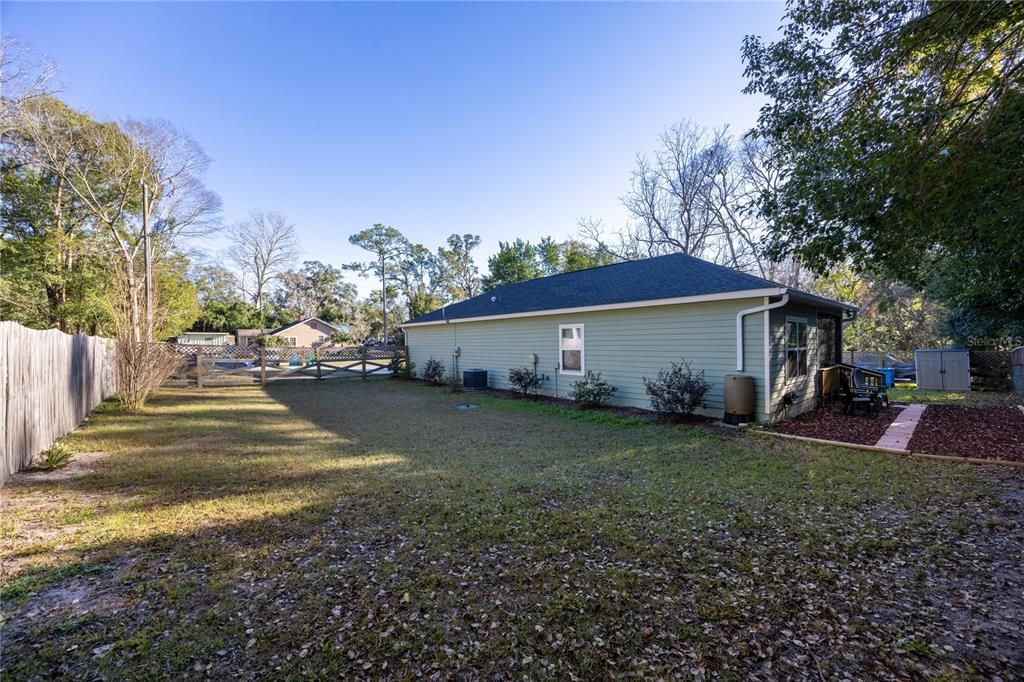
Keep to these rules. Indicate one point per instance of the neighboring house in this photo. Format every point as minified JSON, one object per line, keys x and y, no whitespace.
{"x":632,"y":319}
{"x":206,"y":338}
{"x":308,"y":333}
{"x":247,"y":337}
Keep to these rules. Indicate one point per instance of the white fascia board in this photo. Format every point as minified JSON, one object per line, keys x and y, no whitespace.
{"x":702,"y":298}
{"x":814,"y":299}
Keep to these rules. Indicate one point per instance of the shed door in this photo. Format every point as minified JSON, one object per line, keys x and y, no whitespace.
{"x":956,"y":371}
{"x":929,"y":370}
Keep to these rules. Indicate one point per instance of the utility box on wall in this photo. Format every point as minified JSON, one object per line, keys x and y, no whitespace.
{"x":943,"y":370}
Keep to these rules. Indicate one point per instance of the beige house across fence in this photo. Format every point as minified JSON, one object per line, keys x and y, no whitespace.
{"x":311,"y":332}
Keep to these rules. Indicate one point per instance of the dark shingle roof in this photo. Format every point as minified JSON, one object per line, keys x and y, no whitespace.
{"x":669,"y":276}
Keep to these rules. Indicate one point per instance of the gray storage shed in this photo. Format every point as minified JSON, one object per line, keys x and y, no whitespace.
{"x":943,"y":369}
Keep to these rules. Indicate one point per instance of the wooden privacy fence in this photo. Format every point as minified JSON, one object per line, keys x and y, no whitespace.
{"x":49,"y":382}
{"x":223,"y":365}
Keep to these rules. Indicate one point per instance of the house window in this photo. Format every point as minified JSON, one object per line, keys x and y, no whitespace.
{"x":570,"y":346}
{"x":796,"y":348}
{"x":292,"y":341}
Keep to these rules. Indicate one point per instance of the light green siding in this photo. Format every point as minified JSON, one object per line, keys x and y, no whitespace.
{"x":805,"y":388}
{"x":624,"y":345}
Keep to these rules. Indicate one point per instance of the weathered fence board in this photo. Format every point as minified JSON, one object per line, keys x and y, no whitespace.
{"x":49,"y":382}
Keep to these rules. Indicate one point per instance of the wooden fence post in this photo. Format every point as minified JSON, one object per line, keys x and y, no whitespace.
{"x":199,"y":367}
{"x":316,"y":354}
{"x":363,"y":353}
{"x":263,"y":366}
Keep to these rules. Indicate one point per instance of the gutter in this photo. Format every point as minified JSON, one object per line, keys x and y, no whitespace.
{"x":750,"y":311}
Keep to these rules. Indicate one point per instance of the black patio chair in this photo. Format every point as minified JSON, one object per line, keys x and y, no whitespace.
{"x":858,"y":392}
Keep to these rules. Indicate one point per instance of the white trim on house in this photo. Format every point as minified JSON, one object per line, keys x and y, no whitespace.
{"x":767,"y":362}
{"x":726,"y":296}
{"x":750,"y":311}
{"x":583,"y":352}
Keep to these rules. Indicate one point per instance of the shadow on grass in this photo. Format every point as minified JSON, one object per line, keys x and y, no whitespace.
{"x":224,"y":509}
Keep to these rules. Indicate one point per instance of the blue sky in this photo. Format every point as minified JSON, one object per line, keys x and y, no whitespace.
{"x":503,"y":120}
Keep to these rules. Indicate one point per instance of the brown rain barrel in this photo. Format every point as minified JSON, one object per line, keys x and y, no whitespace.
{"x":739,"y":398}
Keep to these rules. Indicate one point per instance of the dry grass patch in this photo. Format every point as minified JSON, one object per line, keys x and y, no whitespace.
{"x":371,"y":530}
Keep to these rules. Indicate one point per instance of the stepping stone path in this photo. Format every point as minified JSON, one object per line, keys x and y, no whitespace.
{"x":899,"y":433}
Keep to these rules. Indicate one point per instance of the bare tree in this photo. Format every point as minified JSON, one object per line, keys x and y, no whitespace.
{"x":23,"y":77}
{"x":698,"y":194}
{"x":263,"y":247}
{"x":104,"y":166}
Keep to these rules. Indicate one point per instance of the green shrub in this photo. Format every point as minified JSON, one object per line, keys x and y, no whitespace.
{"x":678,"y":391}
{"x":267,"y":341}
{"x":434,"y":372}
{"x":591,"y":391}
{"x":59,"y":455}
{"x":401,"y":367}
{"x":524,"y":379}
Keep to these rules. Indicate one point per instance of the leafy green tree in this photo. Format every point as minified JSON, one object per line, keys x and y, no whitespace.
{"x":53,"y":270}
{"x":896,"y":124}
{"x":388,"y":247}
{"x":515,"y":262}
{"x":892,"y":317}
{"x":222,"y":316}
{"x":177,"y":303}
{"x":317,"y":290}
{"x":520,"y":260}
{"x":459,"y":274}
{"x":214,"y":282}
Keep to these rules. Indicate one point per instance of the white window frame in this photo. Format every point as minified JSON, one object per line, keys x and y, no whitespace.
{"x":786,"y":349}
{"x":293,"y":341}
{"x":583,"y":350}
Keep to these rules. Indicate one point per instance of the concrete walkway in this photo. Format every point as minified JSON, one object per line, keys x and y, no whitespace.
{"x":897,"y":436}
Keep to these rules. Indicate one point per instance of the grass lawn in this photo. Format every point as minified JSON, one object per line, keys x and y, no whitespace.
{"x":372,"y":530}
{"x":909,"y":393}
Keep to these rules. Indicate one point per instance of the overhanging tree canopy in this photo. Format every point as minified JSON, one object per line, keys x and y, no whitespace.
{"x":898,"y":126}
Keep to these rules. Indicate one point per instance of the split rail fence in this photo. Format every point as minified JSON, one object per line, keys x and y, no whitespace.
{"x":229,"y":365}
{"x":49,"y":382}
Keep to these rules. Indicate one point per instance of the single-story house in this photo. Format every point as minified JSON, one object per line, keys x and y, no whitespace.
{"x":308,"y":333}
{"x":630,"y":320}
{"x":206,"y":338}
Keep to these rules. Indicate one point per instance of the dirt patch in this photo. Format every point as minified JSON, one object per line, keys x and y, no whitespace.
{"x":986,"y":432}
{"x":833,"y":423}
{"x":83,"y":463}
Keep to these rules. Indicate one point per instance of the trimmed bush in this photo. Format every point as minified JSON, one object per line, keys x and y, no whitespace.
{"x":677,"y":391}
{"x":434,"y":372}
{"x":591,"y":391}
{"x":524,"y":379}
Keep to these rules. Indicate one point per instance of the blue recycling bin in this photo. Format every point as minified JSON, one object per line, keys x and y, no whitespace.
{"x":890,"y":376}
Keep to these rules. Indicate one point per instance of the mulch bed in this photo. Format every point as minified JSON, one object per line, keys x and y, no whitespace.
{"x":985,"y":432}
{"x":621,"y":410}
{"x":832,"y":423}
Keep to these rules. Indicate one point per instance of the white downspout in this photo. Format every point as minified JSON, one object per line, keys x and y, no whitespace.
{"x":739,"y":325}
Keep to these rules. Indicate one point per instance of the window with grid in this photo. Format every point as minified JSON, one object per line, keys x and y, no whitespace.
{"x":570,"y":347}
{"x":796,"y":349}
